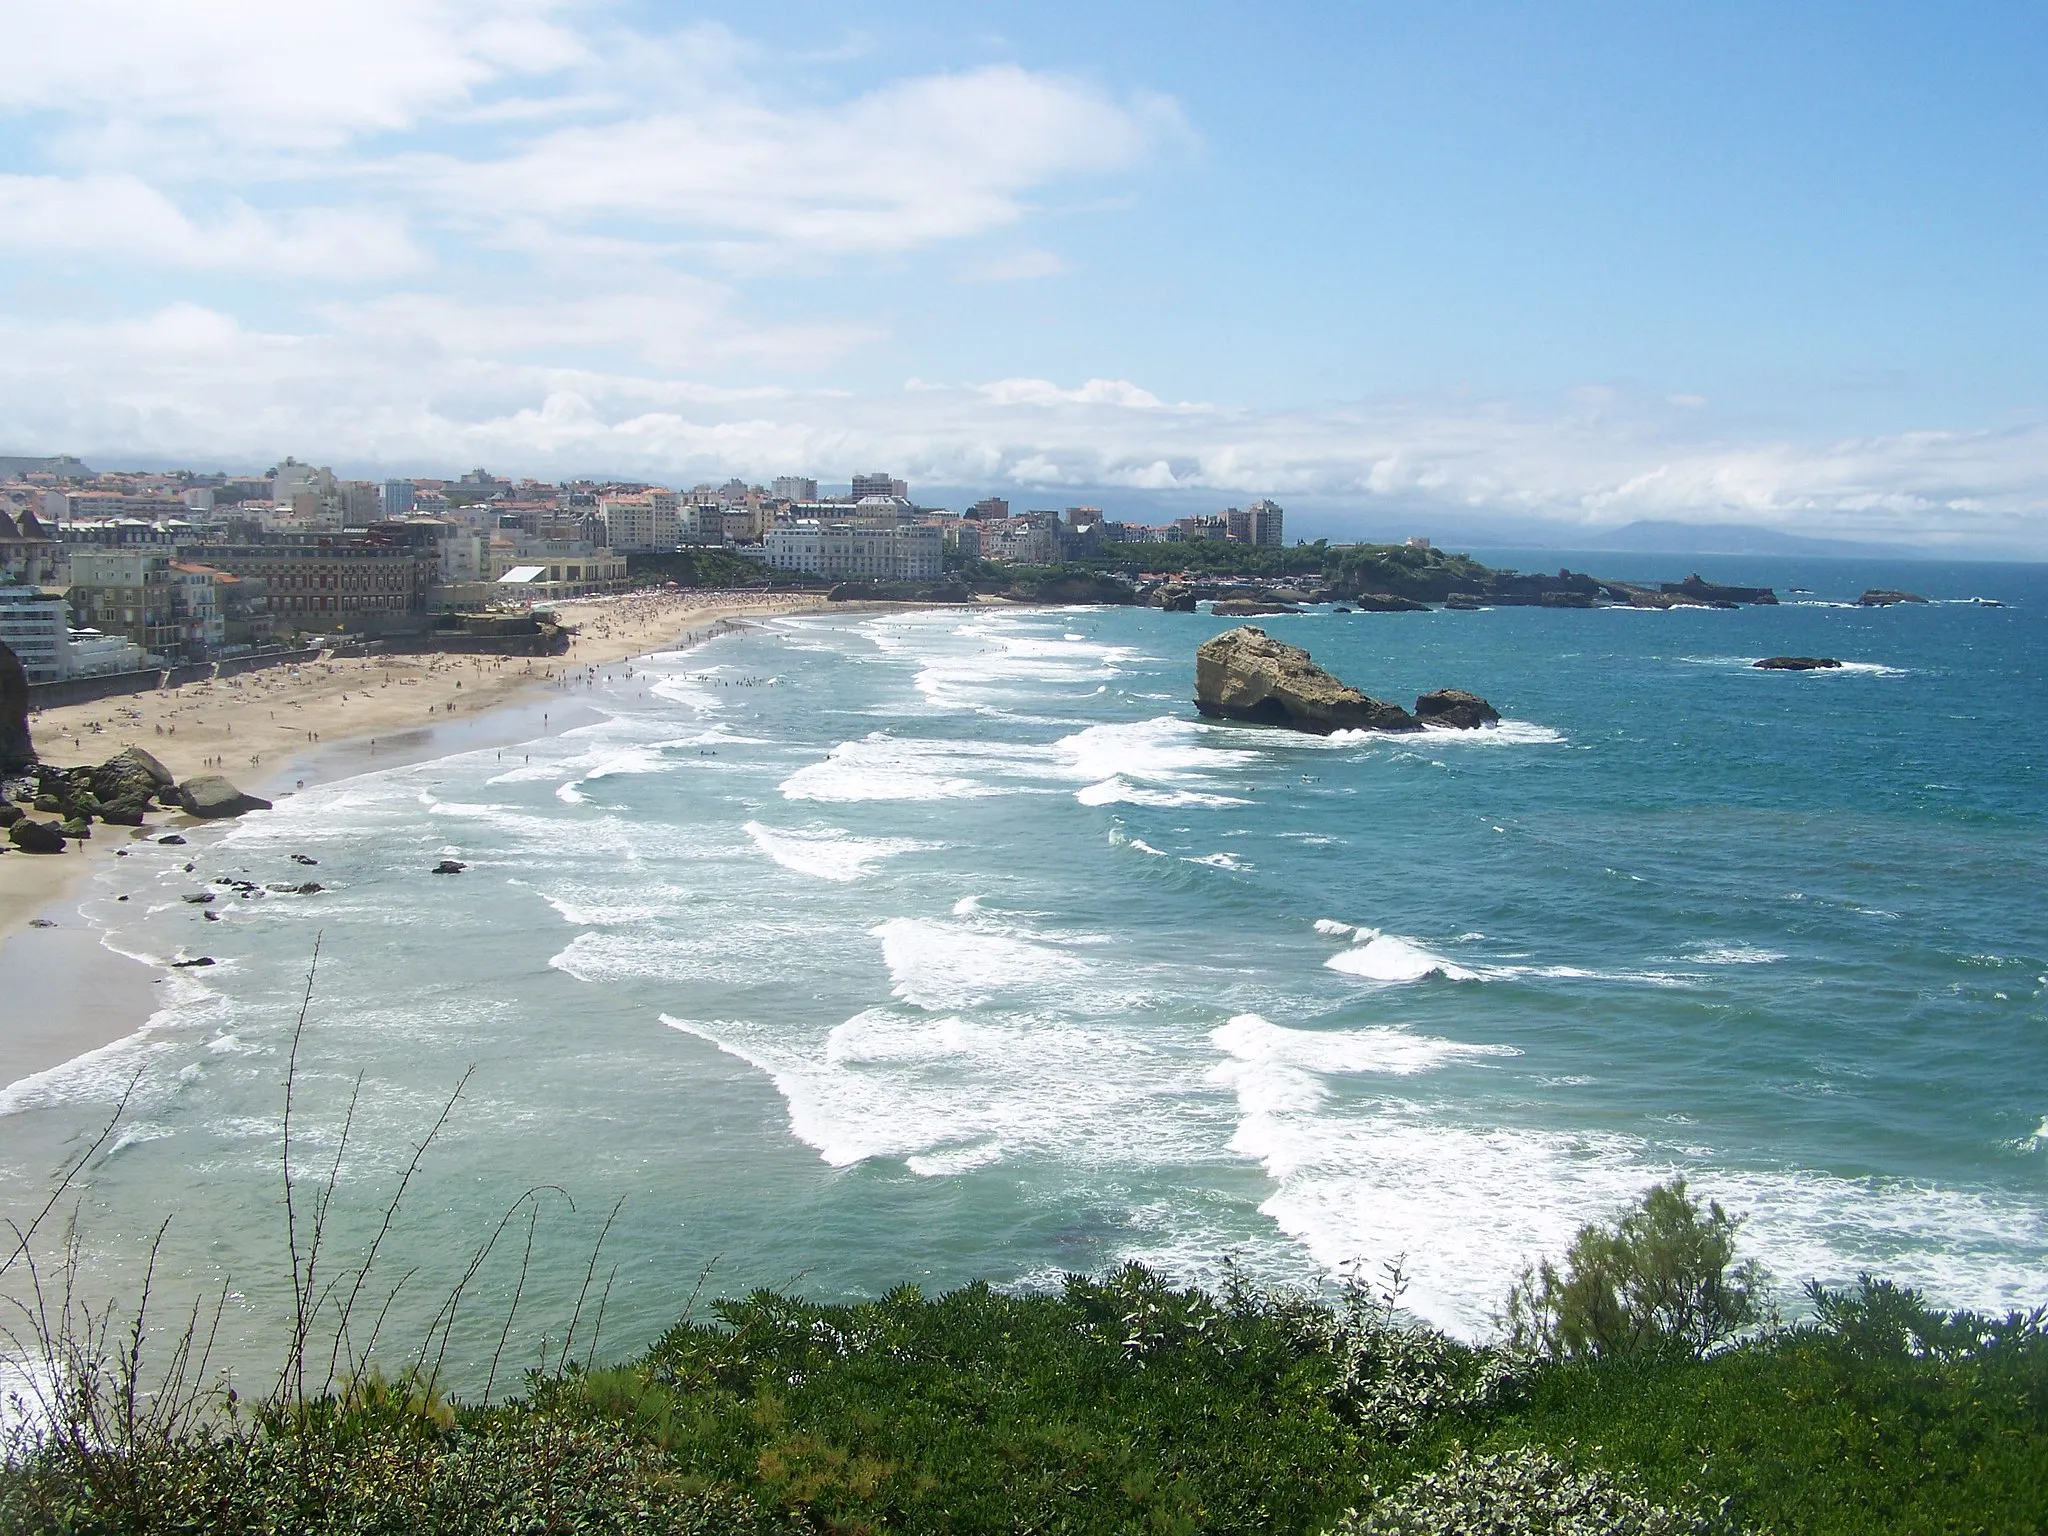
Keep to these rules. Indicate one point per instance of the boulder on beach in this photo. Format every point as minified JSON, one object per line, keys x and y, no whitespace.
{"x":210,"y":796}
{"x":1885,"y":597}
{"x":32,"y":836}
{"x":131,"y":774}
{"x":1244,"y":674}
{"x":1456,"y":708}
{"x":16,"y":750}
{"x":1795,"y":663}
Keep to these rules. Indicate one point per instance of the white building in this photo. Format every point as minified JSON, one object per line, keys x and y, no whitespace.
{"x":1032,"y":539}
{"x":35,"y":623}
{"x":836,"y":552}
{"x":641,"y":521}
{"x":794,"y":488}
{"x":92,"y":654}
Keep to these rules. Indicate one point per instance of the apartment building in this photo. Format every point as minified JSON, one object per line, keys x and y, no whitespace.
{"x":841,"y":552}
{"x":641,"y":521}
{"x":35,"y":623}
{"x":127,"y":592}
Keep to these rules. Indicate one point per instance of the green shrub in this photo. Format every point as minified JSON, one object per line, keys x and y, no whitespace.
{"x":1662,"y":1278}
{"x":1525,"y":1492}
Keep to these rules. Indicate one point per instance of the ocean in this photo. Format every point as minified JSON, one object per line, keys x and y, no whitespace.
{"x":853,"y":950}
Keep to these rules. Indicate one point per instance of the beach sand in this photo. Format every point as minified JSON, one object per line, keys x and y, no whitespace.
{"x":270,"y":731}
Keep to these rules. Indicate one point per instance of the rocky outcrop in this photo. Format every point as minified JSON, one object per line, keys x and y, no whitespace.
{"x":1244,"y":674}
{"x":210,"y":796}
{"x":449,"y":867}
{"x":1795,"y":663}
{"x":1248,"y":608}
{"x":1884,"y":597}
{"x":16,"y":750}
{"x":1698,"y":587}
{"x":1386,"y":602}
{"x":1455,"y":708}
{"x":1175,"y":597}
{"x":32,"y":836}
{"x":131,"y":774}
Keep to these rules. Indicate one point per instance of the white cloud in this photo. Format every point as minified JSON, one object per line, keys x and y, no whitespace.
{"x":1015,"y":267}
{"x":256,"y":72}
{"x":403,"y":388}
{"x":918,"y":161}
{"x":123,"y":217}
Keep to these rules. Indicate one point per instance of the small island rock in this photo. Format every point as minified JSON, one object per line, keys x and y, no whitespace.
{"x":1244,"y":674}
{"x":1456,"y":708}
{"x":450,"y":867}
{"x":1885,"y":597}
{"x":1795,"y":664}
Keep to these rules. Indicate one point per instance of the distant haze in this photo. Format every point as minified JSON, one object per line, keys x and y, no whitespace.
{"x":1551,"y":272}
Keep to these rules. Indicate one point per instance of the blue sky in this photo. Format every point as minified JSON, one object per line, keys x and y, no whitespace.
{"x":1579,"y":264}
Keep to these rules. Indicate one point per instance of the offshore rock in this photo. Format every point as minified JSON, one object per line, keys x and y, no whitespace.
{"x":450,"y":867}
{"x":32,"y":836}
{"x":1885,"y":597}
{"x":210,"y":796}
{"x":1456,"y":708}
{"x":1795,"y":663}
{"x":1175,"y":597}
{"x":1387,"y":602}
{"x":16,"y":750}
{"x":1244,"y":674}
{"x":1248,"y":607}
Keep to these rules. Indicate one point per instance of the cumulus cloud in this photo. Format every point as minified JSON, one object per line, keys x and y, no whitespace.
{"x":124,"y":218}
{"x":401,"y":386}
{"x":914,"y":162}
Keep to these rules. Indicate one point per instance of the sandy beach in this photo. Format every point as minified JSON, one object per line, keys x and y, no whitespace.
{"x":263,"y":730}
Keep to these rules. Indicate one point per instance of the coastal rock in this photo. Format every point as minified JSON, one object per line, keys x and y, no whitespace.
{"x":32,"y":836}
{"x":450,"y":867}
{"x":1456,"y":708}
{"x":79,"y":827}
{"x":209,"y":796}
{"x":1463,"y":602}
{"x":16,"y":750}
{"x":172,"y":840}
{"x":200,"y":898}
{"x":9,"y":814}
{"x":1717,"y":595}
{"x":1387,"y":602}
{"x":131,"y":774}
{"x":1244,"y":674}
{"x":1248,"y":607}
{"x":186,"y":965}
{"x":1175,"y":597}
{"x":1885,"y":597}
{"x":1795,"y":663}
{"x":300,"y":858}
{"x":123,"y":812}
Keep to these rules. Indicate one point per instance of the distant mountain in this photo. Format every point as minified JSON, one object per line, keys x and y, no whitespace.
{"x":63,"y":465}
{"x":1646,"y":538}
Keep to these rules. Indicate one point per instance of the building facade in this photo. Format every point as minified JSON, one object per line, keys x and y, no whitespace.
{"x":840,"y":552}
{"x":642,"y":521}
{"x":126,"y":592}
{"x":35,"y":623}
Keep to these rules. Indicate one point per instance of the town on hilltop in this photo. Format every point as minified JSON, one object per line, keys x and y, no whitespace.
{"x":119,"y":572}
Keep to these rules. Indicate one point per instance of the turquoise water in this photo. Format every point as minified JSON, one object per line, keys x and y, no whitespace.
{"x":934,"y":945}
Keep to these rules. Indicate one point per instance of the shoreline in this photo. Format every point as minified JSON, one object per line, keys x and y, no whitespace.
{"x":77,"y":995}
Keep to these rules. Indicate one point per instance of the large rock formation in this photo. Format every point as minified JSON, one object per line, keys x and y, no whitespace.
{"x":131,"y":774}
{"x":1456,"y":708}
{"x":209,"y":796}
{"x":1244,"y":674}
{"x":16,"y":750}
{"x":1885,"y":597}
{"x":32,"y":836}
